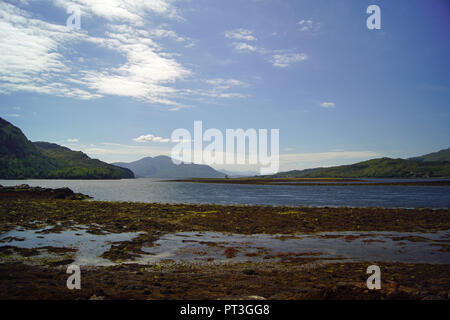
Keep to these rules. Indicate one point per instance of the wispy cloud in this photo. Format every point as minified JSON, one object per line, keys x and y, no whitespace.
{"x":242,"y":47}
{"x":217,"y":88}
{"x":30,"y":59}
{"x":123,"y":10}
{"x":73,"y":140}
{"x":151,"y":138}
{"x":328,"y":105}
{"x":285,"y":60}
{"x":224,"y":84}
{"x":246,"y":41}
{"x":144,"y":75}
{"x":240,"y":34}
{"x":34,"y":57}
{"x":309,"y":25}
{"x":164,"y":31}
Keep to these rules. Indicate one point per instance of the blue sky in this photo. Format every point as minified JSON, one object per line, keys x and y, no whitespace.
{"x":338,"y":92}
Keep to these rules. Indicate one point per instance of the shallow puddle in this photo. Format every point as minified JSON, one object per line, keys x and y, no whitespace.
{"x":89,"y":247}
{"x":340,"y":246}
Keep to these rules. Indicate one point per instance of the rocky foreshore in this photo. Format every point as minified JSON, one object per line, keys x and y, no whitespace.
{"x":24,"y":191}
{"x":271,"y":281}
{"x":39,"y":271}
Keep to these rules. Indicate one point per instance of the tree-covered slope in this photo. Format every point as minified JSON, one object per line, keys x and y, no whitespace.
{"x":21,"y":158}
{"x":77,"y":165}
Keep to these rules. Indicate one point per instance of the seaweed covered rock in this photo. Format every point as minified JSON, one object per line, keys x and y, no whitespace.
{"x":24,"y":191}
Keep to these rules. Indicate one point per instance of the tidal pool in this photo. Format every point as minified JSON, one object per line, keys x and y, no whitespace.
{"x":406,"y":247}
{"x":216,"y":247}
{"x":88,"y":247}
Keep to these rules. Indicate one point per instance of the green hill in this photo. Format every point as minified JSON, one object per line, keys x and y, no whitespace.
{"x":442,"y":155}
{"x":376,"y":168}
{"x":20,"y":158}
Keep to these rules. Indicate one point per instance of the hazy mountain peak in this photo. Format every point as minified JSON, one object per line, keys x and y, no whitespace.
{"x":163,"y":167}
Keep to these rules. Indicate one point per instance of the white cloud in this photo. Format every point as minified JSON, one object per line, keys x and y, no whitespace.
{"x":29,"y":54}
{"x":218,"y":88}
{"x":211,"y":93}
{"x":242,"y":47}
{"x":164,"y":33}
{"x":277,"y":57}
{"x":13,"y":115}
{"x":151,"y":138}
{"x":281,"y":60}
{"x":32,"y":55}
{"x":308,"y":25}
{"x":286,"y":59}
{"x":327,"y":105}
{"x":73,"y":140}
{"x":179,"y":107}
{"x":145,"y":75}
{"x":221,"y":83}
{"x":132,"y":11}
{"x":241,"y":34}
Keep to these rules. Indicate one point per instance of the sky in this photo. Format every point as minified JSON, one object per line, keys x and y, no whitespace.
{"x":135,"y":70}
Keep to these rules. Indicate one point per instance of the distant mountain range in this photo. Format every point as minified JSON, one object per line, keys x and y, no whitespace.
{"x":20,"y":159}
{"x":433,"y":165}
{"x":163,"y":167}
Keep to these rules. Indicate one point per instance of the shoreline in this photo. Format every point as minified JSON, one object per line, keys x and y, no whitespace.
{"x":313,"y":182}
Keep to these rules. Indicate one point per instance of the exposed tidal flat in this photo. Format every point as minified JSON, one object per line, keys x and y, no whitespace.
{"x":207,"y":251}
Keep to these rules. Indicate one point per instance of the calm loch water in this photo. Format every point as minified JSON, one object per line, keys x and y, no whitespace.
{"x":155,"y":190}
